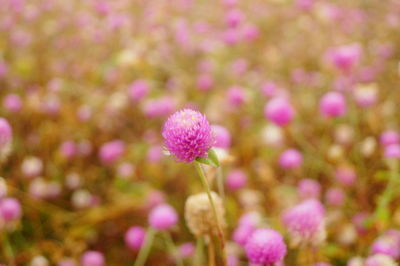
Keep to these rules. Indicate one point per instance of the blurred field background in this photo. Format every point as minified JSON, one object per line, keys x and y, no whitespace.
{"x":76,"y":76}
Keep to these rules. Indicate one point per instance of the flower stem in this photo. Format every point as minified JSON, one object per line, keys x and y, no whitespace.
{"x":220,"y":183}
{"x":211,"y":253}
{"x":198,"y":257}
{"x":145,"y":249}
{"x":214,"y":210}
{"x":172,"y":248}
{"x":382,"y":212}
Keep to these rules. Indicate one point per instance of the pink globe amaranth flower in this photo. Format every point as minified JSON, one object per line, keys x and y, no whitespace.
{"x":68,"y":149}
{"x":10,"y":209}
{"x":12,"y":102}
{"x":154,"y":154}
{"x":279,"y":111}
{"x":345,"y":175}
{"x":222,"y":137}
{"x":359,"y":220}
{"x":269,"y":88}
{"x":306,"y":222}
{"x":160,"y":107}
{"x":231,"y":36}
{"x":366,"y":96}
{"x":392,"y":151}
{"x":236,"y":96}
{"x":187,"y":134}
{"x":308,"y":188}
{"x":205,"y":82}
{"x":345,"y":57}
{"x":290,"y":159}
{"x":242,"y":233}
{"x":232,"y":260}
{"x":234,"y":17}
{"x":389,"y":137}
{"x":239,"y":66}
{"x":250,"y":32}
{"x":333,"y":104}
{"x":236,"y":179}
{"x":111,"y":151}
{"x":335,"y":197}
{"x":250,"y":219}
{"x":305,"y":5}
{"x":84,"y":113}
{"x":32,"y":166}
{"x":386,"y":245}
{"x":265,"y":246}
{"x":92,"y":258}
{"x":138,"y":90}
{"x":163,"y":217}
{"x":134,"y":237}
{"x":125,"y":169}
{"x":379,"y":260}
{"x":186,"y":250}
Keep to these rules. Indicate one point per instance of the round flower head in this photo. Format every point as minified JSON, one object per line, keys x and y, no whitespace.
{"x":163,"y":217}
{"x":111,"y":151}
{"x":187,"y":135}
{"x":236,"y":96}
{"x":389,"y":137}
{"x":205,"y":82}
{"x":199,"y":215}
{"x":265,"y":246}
{"x":305,"y":222}
{"x":335,"y":197}
{"x":236,"y":179}
{"x":309,"y":188}
{"x":332,"y":104}
{"x":366,"y":95}
{"x":186,"y":250}
{"x":345,"y":57}
{"x":279,"y":111}
{"x":12,"y":102}
{"x":345,"y":175}
{"x":222,"y":137}
{"x":388,"y":244}
{"x":134,"y":237}
{"x":10,"y":209}
{"x":68,"y":149}
{"x":92,"y":258}
{"x":138,"y":90}
{"x":234,"y":17}
{"x":242,"y":233}
{"x":392,"y":151}
{"x":290,"y":159}
{"x":32,"y":166}
{"x":380,"y":260}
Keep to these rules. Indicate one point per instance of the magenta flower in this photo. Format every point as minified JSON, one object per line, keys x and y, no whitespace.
{"x":279,"y":111}
{"x":134,"y":237}
{"x":305,"y":222}
{"x":92,"y":258}
{"x":163,"y":217}
{"x":308,"y":188}
{"x":333,"y":104}
{"x":187,"y":135}
{"x":10,"y":209}
{"x":265,"y":246}
{"x":222,"y":137}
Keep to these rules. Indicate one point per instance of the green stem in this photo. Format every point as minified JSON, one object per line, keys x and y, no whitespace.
{"x":8,"y":249}
{"x":220,"y":182}
{"x":171,"y":247}
{"x":198,"y":257}
{"x":214,"y":210}
{"x":382,"y":211}
{"x":145,"y":249}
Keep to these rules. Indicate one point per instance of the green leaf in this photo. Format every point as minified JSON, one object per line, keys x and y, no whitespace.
{"x":212,"y":155}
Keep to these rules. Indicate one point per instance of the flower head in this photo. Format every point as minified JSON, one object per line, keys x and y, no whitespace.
{"x":265,"y":246}
{"x":92,"y":258}
{"x":163,"y":217}
{"x":134,"y":237}
{"x":279,"y":111}
{"x":305,"y":222}
{"x":187,"y":135}
{"x":199,"y":216}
